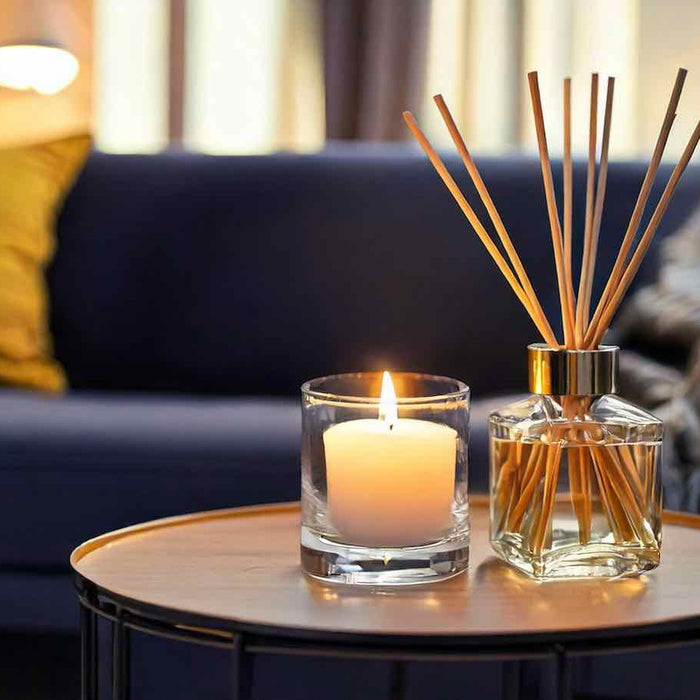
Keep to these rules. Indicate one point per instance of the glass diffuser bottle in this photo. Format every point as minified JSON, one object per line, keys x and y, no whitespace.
{"x":574,"y":469}
{"x":575,"y":483}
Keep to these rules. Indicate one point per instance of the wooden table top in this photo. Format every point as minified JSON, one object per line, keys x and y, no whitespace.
{"x":238,"y":569}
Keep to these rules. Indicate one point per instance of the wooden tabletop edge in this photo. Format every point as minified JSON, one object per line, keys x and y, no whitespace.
{"x":176,"y":521}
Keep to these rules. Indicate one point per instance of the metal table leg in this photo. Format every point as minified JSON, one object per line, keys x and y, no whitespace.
{"x":510,"y":680}
{"x":398,"y":680}
{"x":121,"y":661}
{"x":563,"y":677}
{"x":88,"y":654}
{"x":242,"y":681}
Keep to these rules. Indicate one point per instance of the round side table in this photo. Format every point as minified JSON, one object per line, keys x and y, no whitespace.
{"x":231,"y":578}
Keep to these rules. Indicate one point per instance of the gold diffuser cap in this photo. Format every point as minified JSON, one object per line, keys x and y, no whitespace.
{"x":572,"y":372}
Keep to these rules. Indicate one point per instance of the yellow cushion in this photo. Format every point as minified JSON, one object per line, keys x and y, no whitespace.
{"x":33,"y":183}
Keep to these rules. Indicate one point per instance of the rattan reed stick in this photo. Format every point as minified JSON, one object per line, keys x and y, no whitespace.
{"x":568,"y":177}
{"x":590,"y":204}
{"x":588,"y":267}
{"x":608,"y":500}
{"x":576,"y":487}
{"x":632,"y":474}
{"x":585,"y":467}
{"x":548,"y":495}
{"x":565,"y":295}
{"x":531,"y":476}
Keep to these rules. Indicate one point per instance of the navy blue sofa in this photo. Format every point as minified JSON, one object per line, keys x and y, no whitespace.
{"x":191,"y":295}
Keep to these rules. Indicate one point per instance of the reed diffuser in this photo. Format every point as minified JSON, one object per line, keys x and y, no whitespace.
{"x":575,"y":482}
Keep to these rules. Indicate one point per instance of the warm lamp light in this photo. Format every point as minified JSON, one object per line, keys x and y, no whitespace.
{"x":44,"y":69}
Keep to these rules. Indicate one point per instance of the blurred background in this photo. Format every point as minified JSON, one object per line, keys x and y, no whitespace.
{"x":164,"y":285}
{"x":235,"y":76}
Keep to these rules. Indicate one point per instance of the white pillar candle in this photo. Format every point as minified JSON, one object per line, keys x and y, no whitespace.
{"x":390,"y":480}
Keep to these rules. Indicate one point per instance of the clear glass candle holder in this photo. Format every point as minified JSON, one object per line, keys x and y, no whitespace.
{"x":384,"y":479}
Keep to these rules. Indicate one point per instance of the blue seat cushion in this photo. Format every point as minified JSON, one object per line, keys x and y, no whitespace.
{"x":76,"y":466}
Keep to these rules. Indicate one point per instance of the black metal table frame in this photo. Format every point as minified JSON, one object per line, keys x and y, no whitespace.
{"x":246,"y":641}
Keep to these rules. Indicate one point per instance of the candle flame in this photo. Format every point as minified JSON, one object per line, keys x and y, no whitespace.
{"x":388,"y":412}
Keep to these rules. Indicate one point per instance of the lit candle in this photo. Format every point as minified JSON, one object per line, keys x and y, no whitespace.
{"x":390,"y":480}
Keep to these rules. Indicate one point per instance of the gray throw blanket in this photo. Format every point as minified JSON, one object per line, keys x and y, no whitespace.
{"x":660,"y":370}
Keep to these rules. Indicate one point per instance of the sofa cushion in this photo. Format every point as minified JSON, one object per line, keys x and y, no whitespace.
{"x":79,"y":465}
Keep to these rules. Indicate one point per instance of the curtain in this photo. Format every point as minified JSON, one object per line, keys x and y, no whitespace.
{"x":374,"y":58}
{"x":263,"y":75}
{"x":248,"y":78}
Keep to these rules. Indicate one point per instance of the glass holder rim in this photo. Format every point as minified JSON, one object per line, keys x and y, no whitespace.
{"x":461,"y":394}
